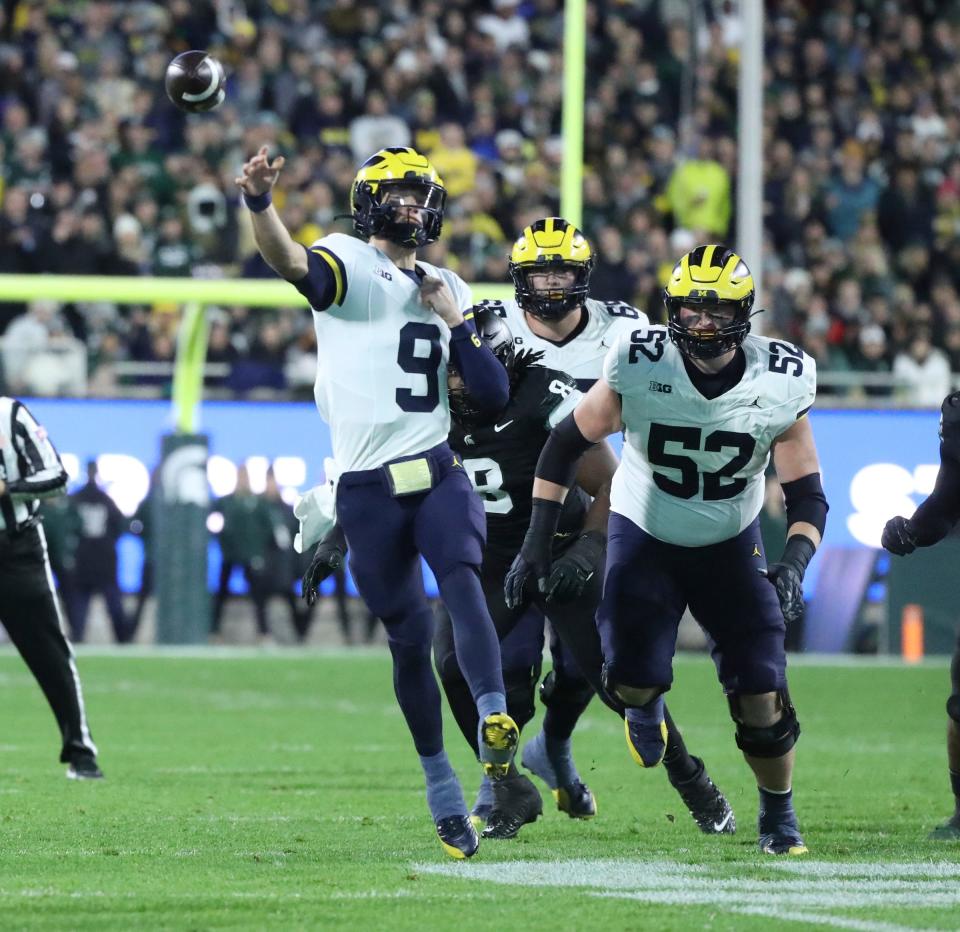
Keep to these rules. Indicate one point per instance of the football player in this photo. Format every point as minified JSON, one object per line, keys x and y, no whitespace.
{"x":387,"y":325}
{"x":500,"y":455}
{"x":703,"y":405}
{"x":931,"y":522}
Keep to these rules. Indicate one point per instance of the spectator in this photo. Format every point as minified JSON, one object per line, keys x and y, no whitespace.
{"x":101,"y":525}
{"x":699,"y":194}
{"x":245,"y":540}
{"x":922,"y":371}
{"x":284,"y":568}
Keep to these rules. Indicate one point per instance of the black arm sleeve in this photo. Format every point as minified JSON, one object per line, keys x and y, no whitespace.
{"x":932,"y":521}
{"x":805,"y":501}
{"x":561,"y":453}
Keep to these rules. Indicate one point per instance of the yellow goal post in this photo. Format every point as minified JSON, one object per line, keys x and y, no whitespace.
{"x":193,"y":294}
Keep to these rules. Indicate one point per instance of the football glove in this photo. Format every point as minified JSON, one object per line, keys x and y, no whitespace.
{"x":535,"y":555}
{"x":898,"y":537}
{"x":574,"y":568}
{"x":786,"y":575}
{"x":327,"y":559}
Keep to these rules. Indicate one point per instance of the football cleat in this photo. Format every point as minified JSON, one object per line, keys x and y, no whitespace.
{"x":499,"y":736}
{"x":84,"y":767}
{"x":516,"y":802}
{"x":708,"y":806}
{"x":949,"y":831}
{"x":784,"y":839}
{"x":576,"y":800}
{"x":483,"y":804}
{"x":647,"y":743}
{"x":458,"y":836}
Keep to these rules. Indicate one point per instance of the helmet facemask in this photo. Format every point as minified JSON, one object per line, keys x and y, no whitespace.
{"x":554,"y":304}
{"x":708,"y":344}
{"x":377,"y":211}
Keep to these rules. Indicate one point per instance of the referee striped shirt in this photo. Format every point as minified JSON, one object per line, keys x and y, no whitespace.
{"x":29,"y":465}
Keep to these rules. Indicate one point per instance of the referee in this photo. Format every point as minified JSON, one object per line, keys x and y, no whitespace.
{"x":30,"y":469}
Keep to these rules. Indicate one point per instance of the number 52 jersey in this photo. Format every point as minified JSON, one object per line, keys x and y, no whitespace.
{"x":692,"y":468}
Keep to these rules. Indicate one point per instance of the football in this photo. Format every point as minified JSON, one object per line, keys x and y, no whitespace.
{"x":195,"y":82}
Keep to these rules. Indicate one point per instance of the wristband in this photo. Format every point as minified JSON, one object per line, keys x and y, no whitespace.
{"x":257,"y":203}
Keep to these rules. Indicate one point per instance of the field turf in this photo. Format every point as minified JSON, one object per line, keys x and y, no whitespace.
{"x":281,"y":791}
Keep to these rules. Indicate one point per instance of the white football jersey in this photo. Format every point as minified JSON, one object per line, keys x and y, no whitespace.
{"x":580,"y":356}
{"x":692,"y":468}
{"x":381,"y":357}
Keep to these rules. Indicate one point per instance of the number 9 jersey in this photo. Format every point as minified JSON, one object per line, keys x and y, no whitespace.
{"x":381,"y":356}
{"x":693,"y":467}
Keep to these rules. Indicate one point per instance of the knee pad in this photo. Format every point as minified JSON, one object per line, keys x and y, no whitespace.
{"x":563,"y":691}
{"x":771,"y":740}
{"x":953,"y":707}
{"x":520,"y":685}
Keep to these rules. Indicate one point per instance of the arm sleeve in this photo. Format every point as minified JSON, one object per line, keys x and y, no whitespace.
{"x":932,"y":521}
{"x":325,"y":283}
{"x":44,"y":475}
{"x":561,"y":397}
{"x":482,"y":373}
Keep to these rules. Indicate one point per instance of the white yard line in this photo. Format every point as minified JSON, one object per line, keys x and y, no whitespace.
{"x":814,"y":895}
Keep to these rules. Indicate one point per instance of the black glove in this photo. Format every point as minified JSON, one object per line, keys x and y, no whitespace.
{"x":898,"y":537}
{"x":573,"y":569}
{"x":536,"y":553}
{"x":327,"y":558}
{"x":787,"y":575}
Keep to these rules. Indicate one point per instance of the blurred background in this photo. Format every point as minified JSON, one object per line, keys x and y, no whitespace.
{"x":100,"y":175}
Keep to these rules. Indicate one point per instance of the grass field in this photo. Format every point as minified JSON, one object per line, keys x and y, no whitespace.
{"x":251,"y":790}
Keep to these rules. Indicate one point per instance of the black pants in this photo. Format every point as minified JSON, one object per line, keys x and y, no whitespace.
{"x":572,"y":623}
{"x":259,"y":592}
{"x":31,"y":615}
{"x":78,"y":607}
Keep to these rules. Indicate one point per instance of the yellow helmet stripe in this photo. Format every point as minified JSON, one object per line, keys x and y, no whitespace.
{"x":339,"y":272}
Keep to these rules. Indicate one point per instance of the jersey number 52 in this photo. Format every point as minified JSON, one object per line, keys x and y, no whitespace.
{"x":718,"y":485}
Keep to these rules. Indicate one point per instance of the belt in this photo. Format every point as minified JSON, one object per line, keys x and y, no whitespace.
{"x":441,"y":461}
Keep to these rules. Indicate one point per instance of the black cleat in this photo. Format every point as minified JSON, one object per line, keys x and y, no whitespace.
{"x":84,"y":767}
{"x":458,"y":836}
{"x":516,"y":801}
{"x":708,"y":806}
{"x":949,"y":831}
{"x":576,"y":800}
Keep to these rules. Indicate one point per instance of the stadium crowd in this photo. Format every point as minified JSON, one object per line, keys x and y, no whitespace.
{"x":102,"y":175}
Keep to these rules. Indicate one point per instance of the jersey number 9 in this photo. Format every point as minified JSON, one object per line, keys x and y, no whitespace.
{"x":428,"y":366}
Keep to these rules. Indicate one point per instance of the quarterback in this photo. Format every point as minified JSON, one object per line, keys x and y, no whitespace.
{"x":387,"y":325}
{"x":703,"y":405}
